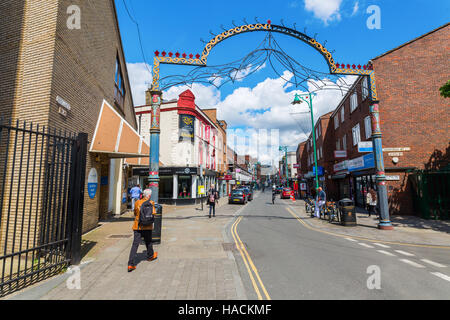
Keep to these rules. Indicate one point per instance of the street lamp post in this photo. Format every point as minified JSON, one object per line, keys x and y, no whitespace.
{"x":284,"y":148}
{"x":299,"y":98}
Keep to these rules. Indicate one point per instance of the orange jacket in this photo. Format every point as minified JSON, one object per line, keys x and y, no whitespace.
{"x":137,"y":207}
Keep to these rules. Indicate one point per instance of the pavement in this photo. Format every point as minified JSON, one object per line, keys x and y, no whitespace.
{"x":257,"y":251}
{"x":407,"y":229}
{"x":194,"y":262}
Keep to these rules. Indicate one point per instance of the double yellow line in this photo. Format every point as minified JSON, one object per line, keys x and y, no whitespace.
{"x":251,"y":269}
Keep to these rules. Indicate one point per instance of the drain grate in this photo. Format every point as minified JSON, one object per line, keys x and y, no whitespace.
{"x":119,"y":236}
{"x":230,"y":246}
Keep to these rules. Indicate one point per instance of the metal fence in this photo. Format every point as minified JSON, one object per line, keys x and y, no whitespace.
{"x":431,"y":193}
{"x":42,"y":172}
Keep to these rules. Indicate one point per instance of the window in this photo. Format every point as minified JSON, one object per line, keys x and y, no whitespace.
{"x":353,"y":101}
{"x":318,"y":154}
{"x":356,"y":135}
{"x":321,"y":153}
{"x":320,"y":129}
{"x":367,"y":127}
{"x":344,"y":142}
{"x":119,"y":86}
{"x":336,"y":121}
{"x":317,"y":133}
{"x":342,"y":114}
{"x":338,"y":144}
{"x":365,"y":88}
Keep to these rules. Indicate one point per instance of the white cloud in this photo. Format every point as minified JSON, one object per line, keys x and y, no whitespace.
{"x":325,"y":10}
{"x":205,"y":96}
{"x":140,"y":79}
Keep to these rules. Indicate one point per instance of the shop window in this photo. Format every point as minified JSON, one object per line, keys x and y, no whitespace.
{"x":166,"y":187}
{"x":184,"y":186}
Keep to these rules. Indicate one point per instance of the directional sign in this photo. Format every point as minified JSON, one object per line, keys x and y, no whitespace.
{"x":365,"y":146}
{"x":92,"y":183}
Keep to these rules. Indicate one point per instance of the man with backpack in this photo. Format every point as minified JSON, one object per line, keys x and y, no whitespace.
{"x":144,"y":216}
{"x":212,"y":198}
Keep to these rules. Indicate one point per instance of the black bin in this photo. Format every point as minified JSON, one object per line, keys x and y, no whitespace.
{"x":157,"y":226}
{"x":347,"y":212}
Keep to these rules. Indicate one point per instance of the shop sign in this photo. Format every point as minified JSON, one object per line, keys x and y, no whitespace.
{"x":228,"y":177}
{"x":186,"y":127}
{"x":340,"y":166}
{"x":201,"y":189}
{"x":365,"y":146}
{"x":361,"y":163}
{"x":296,"y":165}
{"x":92,"y":183}
{"x":232,"y":181}
{"x":320,"y":170}
{"x":340,"y":153}
{"x":303,"y":186}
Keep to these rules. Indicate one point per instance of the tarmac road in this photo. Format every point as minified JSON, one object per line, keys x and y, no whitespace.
{"x":286,"y":260}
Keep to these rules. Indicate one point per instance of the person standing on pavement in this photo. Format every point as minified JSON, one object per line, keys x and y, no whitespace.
{"x":371,"y":201}
{"x":140,"y":231}
{"x":320,"y":201}
{"x":212,"y":198}
{"x":135,"y":194}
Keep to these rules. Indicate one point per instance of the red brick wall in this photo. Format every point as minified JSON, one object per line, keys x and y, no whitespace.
{"x":412,"y":112}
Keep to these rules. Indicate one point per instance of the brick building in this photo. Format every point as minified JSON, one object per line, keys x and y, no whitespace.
{"x":414,"y":121}
{"x":47,"y":65}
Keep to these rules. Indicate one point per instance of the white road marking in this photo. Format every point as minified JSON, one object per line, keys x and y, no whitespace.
{"x":381,"y":245}
{"x":412,"y":263}
{"x":365,"y":245}
{"x":405,"y":253}
{"x":350,"y":239}
{"x":441,"y":275}
{"x":387,"y":253}
{"x":434,"y":263}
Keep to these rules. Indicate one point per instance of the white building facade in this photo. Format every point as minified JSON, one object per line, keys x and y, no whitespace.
{"x":190,"y":149}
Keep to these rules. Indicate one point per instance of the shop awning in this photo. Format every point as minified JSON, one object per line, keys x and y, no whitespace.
{"x":115,"y":137}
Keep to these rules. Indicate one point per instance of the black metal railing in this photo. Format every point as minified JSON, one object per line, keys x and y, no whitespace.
{"x":41,"y":196}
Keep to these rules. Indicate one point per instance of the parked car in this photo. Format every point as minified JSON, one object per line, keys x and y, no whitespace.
{"x":286,"y":193}
{"x":248,"y":192}
{"x":237,"y":196}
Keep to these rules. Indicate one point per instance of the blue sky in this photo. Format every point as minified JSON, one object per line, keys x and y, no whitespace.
{"x":179,"y":26}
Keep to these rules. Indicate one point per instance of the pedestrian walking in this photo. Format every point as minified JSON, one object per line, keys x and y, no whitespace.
{"x":371,"y":201}
{"x":212,"y":198}
{"x":144,"y":212}
{"x":320,"y":201}
{"x":135,"y":194}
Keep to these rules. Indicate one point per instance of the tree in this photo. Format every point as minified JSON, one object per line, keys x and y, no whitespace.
{"x":445,"y":90}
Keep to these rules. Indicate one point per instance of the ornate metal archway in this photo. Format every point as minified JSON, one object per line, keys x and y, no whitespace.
{"x":334,"y":68}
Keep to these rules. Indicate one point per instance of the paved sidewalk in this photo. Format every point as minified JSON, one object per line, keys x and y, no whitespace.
{"x":407,"y":229}
{"x":192,"y":263}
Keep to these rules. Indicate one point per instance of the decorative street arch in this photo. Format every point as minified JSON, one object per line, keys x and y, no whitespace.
{"x":334,"y":68}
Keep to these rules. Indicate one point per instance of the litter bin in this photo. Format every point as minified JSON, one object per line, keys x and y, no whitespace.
{"x":347,"y":212}
{"x":157,"y":225}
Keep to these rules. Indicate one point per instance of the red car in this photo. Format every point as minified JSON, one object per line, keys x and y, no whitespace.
{"x":286,"y":193}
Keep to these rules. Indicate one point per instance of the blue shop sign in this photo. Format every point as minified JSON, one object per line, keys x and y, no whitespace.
{"x":320,"y":170}
{"x":365,"y":162}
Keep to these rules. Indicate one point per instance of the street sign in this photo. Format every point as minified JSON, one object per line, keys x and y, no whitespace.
{"x":396,"y":149}
{"x":395,"y":154}
{"x":340,"y":153}
{"x":365,"y":146}
{"x":303,"y":186}
{"x":392,"y":178}
{"x":201,"y":189}
{"x":92,"y":183}
{"x":320,"y":170}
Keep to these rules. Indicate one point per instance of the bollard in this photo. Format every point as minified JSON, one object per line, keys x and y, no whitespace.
{"x":157,"y":225}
